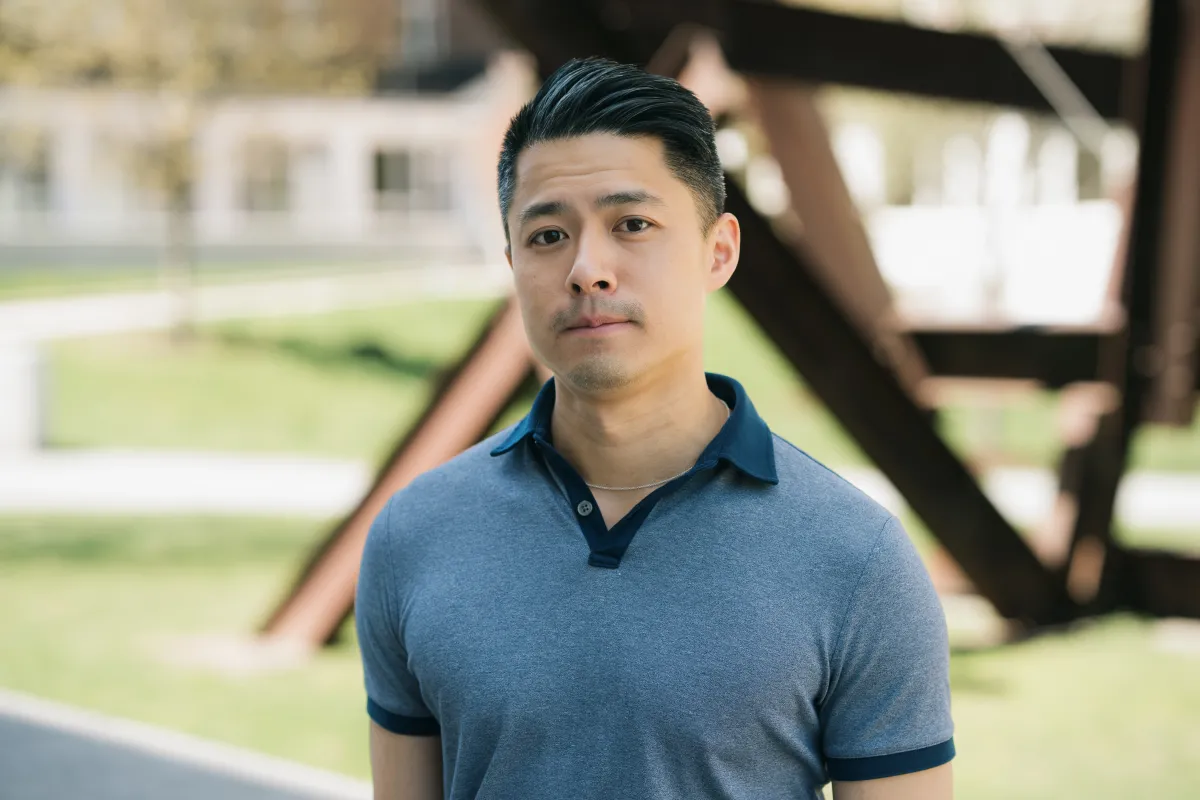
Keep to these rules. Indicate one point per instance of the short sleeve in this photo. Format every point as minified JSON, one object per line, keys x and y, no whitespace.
{"x":887,"y":708}
{"x":393,"y":695}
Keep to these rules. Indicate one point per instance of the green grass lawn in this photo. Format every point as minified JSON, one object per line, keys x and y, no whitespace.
{"x":347,"y":384}
{"x":95,"y":608}
{"x":339,"y":385}
{"x":29,"y":283}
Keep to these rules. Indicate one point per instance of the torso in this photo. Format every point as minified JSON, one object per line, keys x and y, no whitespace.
{"x":695,"y":668}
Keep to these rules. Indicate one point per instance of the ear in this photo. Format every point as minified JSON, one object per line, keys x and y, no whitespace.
{"x":725,"y":242}
{"x":508,"y":254}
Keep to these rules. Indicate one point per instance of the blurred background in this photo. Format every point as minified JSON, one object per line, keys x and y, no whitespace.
{"x":243,"y":246}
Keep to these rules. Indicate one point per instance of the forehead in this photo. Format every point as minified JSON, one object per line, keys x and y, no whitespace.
{"x":586,"y":164}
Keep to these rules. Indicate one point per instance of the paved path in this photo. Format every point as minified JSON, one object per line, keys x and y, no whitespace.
{"x":1163,"y":500}
{"x":147,"y":482}
{"x":140,"y":482}
{"x":50,"y":751}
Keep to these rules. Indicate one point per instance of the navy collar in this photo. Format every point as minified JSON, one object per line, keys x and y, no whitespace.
{"x":744,"y":441}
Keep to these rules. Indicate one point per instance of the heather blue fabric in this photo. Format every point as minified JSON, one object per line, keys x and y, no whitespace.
{"x":751,"y":630}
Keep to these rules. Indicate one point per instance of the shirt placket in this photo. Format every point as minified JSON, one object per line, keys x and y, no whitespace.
{"x":606,"y":545}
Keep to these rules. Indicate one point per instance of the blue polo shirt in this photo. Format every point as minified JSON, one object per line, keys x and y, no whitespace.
{"x":752,"y":629}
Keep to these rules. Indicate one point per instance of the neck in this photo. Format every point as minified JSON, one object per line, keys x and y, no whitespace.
{"x":638,"y":435}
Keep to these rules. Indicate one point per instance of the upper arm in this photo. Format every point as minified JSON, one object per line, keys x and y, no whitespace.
{"x":405,"y":735}
{"x":886,"y":710}
{"x":930,"y":784}
{"x":405,"y":767}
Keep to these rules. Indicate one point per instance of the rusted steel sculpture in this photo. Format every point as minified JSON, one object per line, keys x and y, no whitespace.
{"x":821,"y":299}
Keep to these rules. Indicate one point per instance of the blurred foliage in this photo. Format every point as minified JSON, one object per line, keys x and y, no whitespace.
{"x":185,"y":55}
{"x":181,"y":57}
{"x":194,"y":48}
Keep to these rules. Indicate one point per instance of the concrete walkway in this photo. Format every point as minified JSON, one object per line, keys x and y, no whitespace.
{"x":1154,"y":500}
{"x":50,"y":751}
{"x":136,"y":482}
{"x":141,"y":482}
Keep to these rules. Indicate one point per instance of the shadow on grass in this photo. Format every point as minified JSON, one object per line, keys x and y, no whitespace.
{"x":154,"y":542}
{"x":363,"y":354}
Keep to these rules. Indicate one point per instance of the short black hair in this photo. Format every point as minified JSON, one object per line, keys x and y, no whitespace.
{"x":595,"y":95}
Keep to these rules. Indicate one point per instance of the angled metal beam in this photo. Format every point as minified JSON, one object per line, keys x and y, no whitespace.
{"x":1092,"y":417}
{"x":772,"y":39}
{"x":1172,"y":397}
{"x":467,"y":405}
{"x":1094,"y":571}
{"x":1055,"y":357}
{"x":1163,"y":584}
{"x":1089,"y":475}
{"x":776,"y":40}
{"x":778,"y":288}
{"x":537,"y":24}
{"x":830,"y":224}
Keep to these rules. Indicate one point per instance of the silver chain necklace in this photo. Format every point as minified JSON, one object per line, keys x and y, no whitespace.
{"x":656,"y":483}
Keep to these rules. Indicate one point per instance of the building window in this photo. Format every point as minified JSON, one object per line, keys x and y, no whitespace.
{"x":393,"y":171}
{"x":412,"y":180}
{"x":265,"y":184}
{"x":24,"y":175}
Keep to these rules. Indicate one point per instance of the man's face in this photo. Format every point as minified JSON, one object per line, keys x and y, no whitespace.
{"x":610,"y":262}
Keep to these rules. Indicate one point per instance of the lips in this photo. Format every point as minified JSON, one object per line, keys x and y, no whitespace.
{"x":595,"y":322}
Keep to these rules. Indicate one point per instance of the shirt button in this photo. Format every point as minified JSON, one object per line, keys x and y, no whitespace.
{"x":584,"y":508}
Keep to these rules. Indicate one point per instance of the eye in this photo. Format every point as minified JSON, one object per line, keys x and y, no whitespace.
{"x":634,"y":225}
{"x":548,"y":237}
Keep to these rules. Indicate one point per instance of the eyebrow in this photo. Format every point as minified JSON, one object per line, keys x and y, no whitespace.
{"x":630,"y":198}
{"x":549,"y":208}
{"x":552,"y":208}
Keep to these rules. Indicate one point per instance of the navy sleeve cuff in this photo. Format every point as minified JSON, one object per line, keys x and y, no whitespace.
{"x":396,"y":723}
{"x":869,"y":769}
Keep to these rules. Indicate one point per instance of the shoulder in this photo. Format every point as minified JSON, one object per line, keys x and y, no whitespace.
{"x":839,"y":516}
{"x":471,"y":486}
{"x":474,"y":470}
{"x":870,"y":567}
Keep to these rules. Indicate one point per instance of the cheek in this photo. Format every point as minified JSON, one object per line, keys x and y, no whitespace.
{"x":531,"y":299}
{"x":677,"y":282}
{"x":539,"y":297}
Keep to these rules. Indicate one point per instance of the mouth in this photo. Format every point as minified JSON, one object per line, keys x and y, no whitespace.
{"x":598,"y":327}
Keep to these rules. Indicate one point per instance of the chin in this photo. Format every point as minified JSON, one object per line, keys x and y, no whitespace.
{"x":598,"y":375}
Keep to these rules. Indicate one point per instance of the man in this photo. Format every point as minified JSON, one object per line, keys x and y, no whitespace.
{"x":638,"y":591}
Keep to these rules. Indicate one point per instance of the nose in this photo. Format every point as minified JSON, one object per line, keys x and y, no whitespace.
{"x":593,"y":268}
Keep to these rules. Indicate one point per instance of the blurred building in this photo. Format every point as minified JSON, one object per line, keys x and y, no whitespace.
{"x":406,"y":173}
